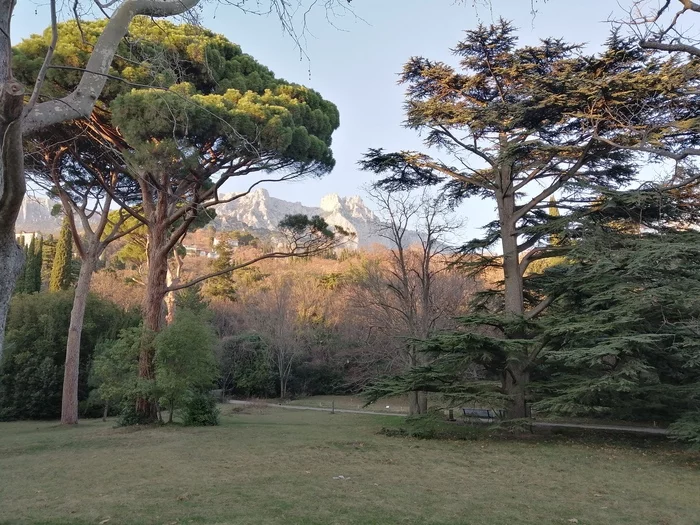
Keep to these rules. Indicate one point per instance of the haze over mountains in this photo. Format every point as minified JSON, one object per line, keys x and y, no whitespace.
{"x":257,"y":212}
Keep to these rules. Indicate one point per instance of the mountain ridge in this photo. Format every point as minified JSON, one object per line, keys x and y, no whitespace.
{"x":257,"y":212}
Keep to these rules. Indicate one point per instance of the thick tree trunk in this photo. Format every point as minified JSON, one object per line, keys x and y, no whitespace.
{"x":154,"y":314}
{"x":69,"y":403}
{"x":515,"y":384}
{"x":11,"y":263}
{"x":413,"y":405}
{"x":417,"y":400}
{"x":516,"y":375}
{"x":12,"y":182}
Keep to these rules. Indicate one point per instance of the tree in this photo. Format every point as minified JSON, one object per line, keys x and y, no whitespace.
{"x":244,"y":367}
{"x":77,"y":102}
{"x":277,"y":321}
{"x":47,"y":257}
{"x":32,"y":370}
{"x":68,"y":165}
{"x":61,"y":270}
{"x":114,"y":368}
{"x":620,"y":339}
{"x":184,"y":359}
{"x":515,"y":126}
{"x":224,"y":286}
{"x":30,"y":278}
{"x":413,"y":291}
{"x":18,"y":118}
{"x":222,"y":116}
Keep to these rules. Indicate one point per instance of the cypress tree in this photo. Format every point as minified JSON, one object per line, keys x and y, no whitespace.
{"x":61,"y":270}
{"x":48,"y":253}
{"x":21,"y":285}
{"x":32,"y":268}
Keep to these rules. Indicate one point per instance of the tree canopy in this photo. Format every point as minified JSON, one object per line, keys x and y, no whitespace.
{"x":519,"y":125}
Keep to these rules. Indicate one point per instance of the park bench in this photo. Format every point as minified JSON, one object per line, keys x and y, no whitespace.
{"x":482,"y":413}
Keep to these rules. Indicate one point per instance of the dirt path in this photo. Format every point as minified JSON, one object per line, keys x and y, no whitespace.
{"x":539,"y":424}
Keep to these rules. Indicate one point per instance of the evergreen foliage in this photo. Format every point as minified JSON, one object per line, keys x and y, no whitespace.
{"x":200,"y":410}
{"x":47,"y":257}
{"x":31,"y":373}
{"x":184,"y":359}
{"x":114,"y":369}
{"x":513,"y":124}
{"x":62,"y":271}
{"x":621,"y":338}
{"x":30,"y":279}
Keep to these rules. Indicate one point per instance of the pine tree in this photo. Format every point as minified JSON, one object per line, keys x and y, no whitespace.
{"x":61,"y":270}
{"x":620,"y":339}
{"x":513,"y":125}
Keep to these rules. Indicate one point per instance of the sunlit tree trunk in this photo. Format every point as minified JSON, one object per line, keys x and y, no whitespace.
{"x":69,"y":401}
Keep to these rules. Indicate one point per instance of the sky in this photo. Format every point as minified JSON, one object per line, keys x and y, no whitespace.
{"x":355,"y":60}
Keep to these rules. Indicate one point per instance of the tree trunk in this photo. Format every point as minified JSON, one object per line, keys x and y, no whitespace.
{"x":516,"y":374}
{"x":11,"y":263}
{"x":422,"y":402}
{"x":417,"y":400}
{"x":12,"y":182}
{"x":172,"y":409}
{"x":105,"y":412}
{"x":154,"y":314}
{"x":413,"y":405}
{"x":515,"y":384}
{"x":170,"y":297}
{"x":69,"y":403}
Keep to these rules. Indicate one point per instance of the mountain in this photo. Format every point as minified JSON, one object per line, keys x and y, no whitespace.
{"x":35,"y":216}
{"x":258,"y":212}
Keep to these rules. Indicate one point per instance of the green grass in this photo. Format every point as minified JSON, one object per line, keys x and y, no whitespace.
{"x":398,"y":404}
{"x":271,"y":466}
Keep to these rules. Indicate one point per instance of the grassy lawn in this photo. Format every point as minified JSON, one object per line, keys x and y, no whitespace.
{"x":270,"y":466}
{"x":390,"y":404}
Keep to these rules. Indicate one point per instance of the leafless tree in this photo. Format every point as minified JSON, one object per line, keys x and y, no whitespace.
{"x":412,"y":290}
{"x":276,"y":318}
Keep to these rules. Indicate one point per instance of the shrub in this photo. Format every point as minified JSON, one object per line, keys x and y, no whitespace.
{"x":687,"y":429}
{"x":244,"y":366}
{"x":31,"y":372}
{"x":184,"y":359}
{"x":128,"y":416}
{"x":200,"y":410}
{"x":317,"y":379}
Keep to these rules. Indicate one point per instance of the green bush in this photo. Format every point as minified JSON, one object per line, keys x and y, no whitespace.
{"x":31,"y":372}
{"x":184,"y":358}
{"x":687,"y":429}
{"x":244,"y":367}
{"x":200,"y":410}
{"x":128,"y":416}
{"x":317,"y":379}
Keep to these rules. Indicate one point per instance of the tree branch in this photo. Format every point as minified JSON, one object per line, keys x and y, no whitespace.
{"x":81,"y":101}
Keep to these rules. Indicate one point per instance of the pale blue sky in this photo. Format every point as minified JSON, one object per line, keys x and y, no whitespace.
{"x":356,"y":66}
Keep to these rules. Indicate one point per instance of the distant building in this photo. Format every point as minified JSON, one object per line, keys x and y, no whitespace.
{"x":197,"y":250}
{"x":26,"y":238}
